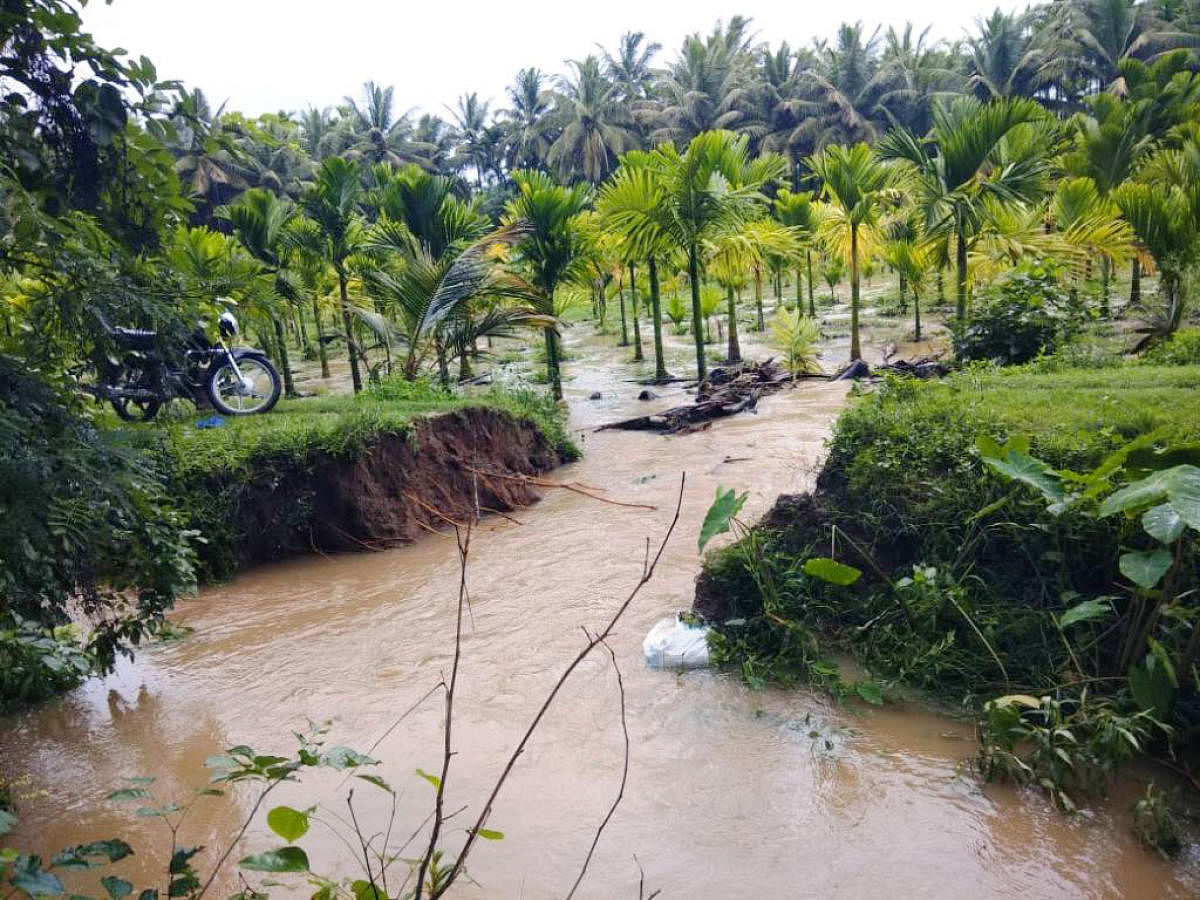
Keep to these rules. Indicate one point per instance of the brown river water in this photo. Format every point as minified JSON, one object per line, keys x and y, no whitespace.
{"x":731,"y":793}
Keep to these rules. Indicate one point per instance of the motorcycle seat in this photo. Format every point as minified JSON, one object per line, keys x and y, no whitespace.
{"x":138,"y":338}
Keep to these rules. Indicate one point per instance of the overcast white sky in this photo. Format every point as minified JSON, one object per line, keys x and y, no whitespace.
{"x":267,"y":55}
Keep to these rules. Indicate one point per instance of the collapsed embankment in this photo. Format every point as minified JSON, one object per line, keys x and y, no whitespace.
{"x":391,"y":487}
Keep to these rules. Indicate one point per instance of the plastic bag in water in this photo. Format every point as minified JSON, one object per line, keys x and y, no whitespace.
{"x":674,"y":644}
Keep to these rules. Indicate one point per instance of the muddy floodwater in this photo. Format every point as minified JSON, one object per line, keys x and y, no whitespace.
{"x":732,"y":793}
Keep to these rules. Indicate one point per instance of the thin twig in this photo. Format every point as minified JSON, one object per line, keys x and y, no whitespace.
{"x":624,"y":775}
{"x":542,"y":482}
{"x":464,"y":549}
{"x":473,"y":832}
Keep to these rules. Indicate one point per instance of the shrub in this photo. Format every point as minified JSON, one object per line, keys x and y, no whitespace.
{"x":1181,"y":349}
{"x":1026,"y":315}
{"x":795,"y":337}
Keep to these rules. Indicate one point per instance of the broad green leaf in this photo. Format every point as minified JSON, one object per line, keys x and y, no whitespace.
{"x":1162,"y":523}
{"x":290,"y":824}
{"x":432,"y":779}
{"x":716,"y":521}
{"x":1031,"y":471}
{"x":1150,"y":685}
{"x":1086,"y":611}
{"x":8,"y":821}
{"x":1145,"y":569}
{"x":988,"y":447}
{"x":285,"y":859}
{"x":1179,"y":485}
{"x":90,"y":856}
{"x":180,"y":859}
{"x":364,"y":890}
{"x":831,"y":570}
{"x":489,"y":835}
{"x":116,"y":888}
{"x":870,"y":692}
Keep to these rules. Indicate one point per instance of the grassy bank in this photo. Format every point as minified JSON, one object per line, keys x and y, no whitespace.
{"x":256,"y":488}
{"x":968,"y":580}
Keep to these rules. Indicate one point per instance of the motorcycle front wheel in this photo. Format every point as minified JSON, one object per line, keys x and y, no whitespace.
{"x":255,"y":392}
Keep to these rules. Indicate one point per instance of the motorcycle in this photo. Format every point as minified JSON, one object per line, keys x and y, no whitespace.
{"x":234,"y":381}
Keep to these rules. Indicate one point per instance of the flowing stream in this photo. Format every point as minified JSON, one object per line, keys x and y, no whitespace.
{"x":731,"y":792}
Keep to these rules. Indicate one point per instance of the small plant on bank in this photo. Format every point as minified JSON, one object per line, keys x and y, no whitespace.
{"x":1181,"y":349}
{"x":796,"y":338}
{"x":1155,"y":825}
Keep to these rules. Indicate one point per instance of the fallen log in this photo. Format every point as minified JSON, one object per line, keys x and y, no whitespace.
{"x":727,"y":391}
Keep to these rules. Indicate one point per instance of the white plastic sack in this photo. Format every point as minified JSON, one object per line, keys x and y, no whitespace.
{"x":672,"y":644}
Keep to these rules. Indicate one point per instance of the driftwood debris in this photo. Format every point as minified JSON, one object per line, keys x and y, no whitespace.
{"x":922,"y":367}
{"x":727,"y":391}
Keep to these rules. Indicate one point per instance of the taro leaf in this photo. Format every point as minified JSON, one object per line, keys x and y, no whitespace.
{"x":1086,"y":611}
{"x":1031,"y":471}
{"x":432,"y":779}
{"x":870,"y":692}
{"x":285,"y":859}
{"x":345,"y":758}
{"x":1145,"y":569}
{"x":116,"y":888}
{"x":377,"y":781}
{"x":1162,"y":523}
{"x":1149,"y":458}
{"x":716,"y":521}
{"x":1180,"y":485}
{"x":831,"y":570}
{"x":290,"y":824}
{"x":8,"y":821}
{"x":489,"y":835}
{"x":27,"y":876}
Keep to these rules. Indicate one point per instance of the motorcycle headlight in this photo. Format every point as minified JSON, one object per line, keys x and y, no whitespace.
{"x":228,"y":324}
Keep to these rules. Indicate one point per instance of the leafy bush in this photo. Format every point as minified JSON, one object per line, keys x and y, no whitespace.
{"x":86,"y":524}
{"x":1026,"y":315}
{"x":37,"y":662}
{"x":1181,"y":349}
{"x":795,"y":337}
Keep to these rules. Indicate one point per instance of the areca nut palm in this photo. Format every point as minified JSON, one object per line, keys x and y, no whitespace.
{"x":853,"y":182}
{"x":712,"y":185}
{"x":795,"y":210}
{"x":551,"y":248}
{"x":967,"y":166}
{"x":331,"y":202}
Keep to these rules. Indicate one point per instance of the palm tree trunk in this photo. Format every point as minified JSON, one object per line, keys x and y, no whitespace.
{"x":799,"y":290}
{"x":916,"y":316}
{"x":660,"y":365}
{"x":553,"y":371}
{"x":322,"y":355}
{"x":443,"y":367}
{"x":903,"y":298}
{"x":960,"y":254}
{"x":855,"y":349}
{"x":348,"y":324}
{"x":758,"y":292}
{"x":1135,"y":281}
{"x":697,"y":319}
{"x":735,"y":350}
{"x":1105,"y":309}
{"x":289,"y":386}
{"x":624,"y":327}
{"x":812,"y":304}
{"x":638,"y":355}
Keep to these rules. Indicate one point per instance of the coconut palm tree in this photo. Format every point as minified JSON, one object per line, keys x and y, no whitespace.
{"x":208,"y":161}
{"x":853,"y":180}
{"x":967,"y":166}
{"x":550,"y":250}
{"x":331,"y":202}
{"x":322,"y":133}
{"x":845,"y":87}
{"x":597,"y":125}
{"x":528,"y":124}
{"x":1002,"y":58}
{"x":379,"y":134}
{"x":475,"y":144}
